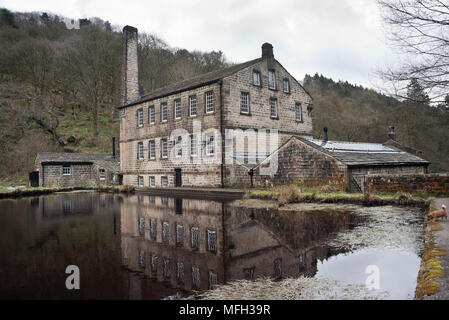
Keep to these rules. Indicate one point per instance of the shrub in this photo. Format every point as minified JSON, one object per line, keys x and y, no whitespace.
{"x":289,"y":194}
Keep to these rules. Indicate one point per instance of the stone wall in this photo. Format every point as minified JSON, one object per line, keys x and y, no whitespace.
{"x":431,"y":183}
{"x":202,"y":170}
{"x":80,"y":175}
{"x":295,"y":161}
{"x":259,"y":101}
{"x":357,"y":176}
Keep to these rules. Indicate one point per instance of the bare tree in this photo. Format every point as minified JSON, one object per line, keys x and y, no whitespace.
{"x":420,"y":30}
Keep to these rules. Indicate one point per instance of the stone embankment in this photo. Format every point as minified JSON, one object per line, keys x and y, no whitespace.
{"x":433,"y":277}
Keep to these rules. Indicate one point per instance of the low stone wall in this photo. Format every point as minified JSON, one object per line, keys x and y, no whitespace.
{"x":437,"y":183}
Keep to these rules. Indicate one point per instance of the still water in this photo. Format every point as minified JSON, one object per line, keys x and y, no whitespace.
{"x":151,"y":247}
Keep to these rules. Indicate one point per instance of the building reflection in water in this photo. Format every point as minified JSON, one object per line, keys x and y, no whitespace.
{"x":192,"y":244}
{"x":149,"y":247}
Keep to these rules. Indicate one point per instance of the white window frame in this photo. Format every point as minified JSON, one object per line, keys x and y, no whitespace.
{"x":211,"y":240}
{"x":271,"y":79}
{"x":66,"y":170}
{"x":193,"y":103}
{"x":152,"y":181}
{"x":284,"y":82}
{"x":209,"y":102}
{"x":102,"y":174}
{"x":164,"y":111}
{"x":244,"y":99}
{"x":139,"y":180}
{"x":140,"y":155}
{"x":256,"y":75}
{"x":152,"y":149}
{"x":298,"y":111}
{"x":275,"y":108}
{"x":177,"y":109}
{"x":210,"y":147}
{"x":140,"y":117}
{"x":164,"y":181}
{"x":193,"y":145}
{"x":195,"y":238}
{"x":178,"y":147}
{"x":151,"y":115}
{"x":164,"y":142}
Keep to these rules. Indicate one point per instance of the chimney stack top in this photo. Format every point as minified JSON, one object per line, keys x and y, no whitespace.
{"x":267,"y":50}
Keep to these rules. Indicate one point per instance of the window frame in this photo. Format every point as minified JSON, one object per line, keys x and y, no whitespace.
{"x":177,"y":103}
{"x":178,"y":146}
{"x":69,"y":167}
{"x":102,"y":172}
{"x":164,"y":141}
{"x":152,"y":179}
{"x":211,"y":92}
{"x":242,"y":94}
{"x":138,"y":181}
{"x":194,"y":240}
{"x":286,"y":81}
{"x":152,"y":142}
{"x":139,"y":151}
{"x":151,"y":114}
{"x":164,"y":104}
{"x":191,"y":99}
{"x":298,"y":104}
{"x":139,"y":115}
{"x":196,"y":145}
{"x":207,"y":136}
{"x":275,"y":100}
{"x":259,"y":78}
{"x":164,"y":178}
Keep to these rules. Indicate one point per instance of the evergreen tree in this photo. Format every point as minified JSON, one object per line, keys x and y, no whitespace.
{"x":416,"y":93}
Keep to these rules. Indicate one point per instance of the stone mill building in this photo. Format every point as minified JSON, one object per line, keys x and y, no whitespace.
{"x":247,"y":124}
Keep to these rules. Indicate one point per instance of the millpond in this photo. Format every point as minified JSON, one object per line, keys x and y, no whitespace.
{"x":144,"y":246}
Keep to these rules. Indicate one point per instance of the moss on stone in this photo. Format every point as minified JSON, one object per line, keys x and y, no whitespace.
{"x":431,"y":267}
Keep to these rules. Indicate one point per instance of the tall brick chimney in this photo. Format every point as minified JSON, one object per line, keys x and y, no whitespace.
{"x":130,"y":71}
{"x":267,"y":50}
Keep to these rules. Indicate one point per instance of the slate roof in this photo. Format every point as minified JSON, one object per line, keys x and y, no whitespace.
{"x":194,"y":82}
{"x":103,"y":160}
{"x":365,"y":154}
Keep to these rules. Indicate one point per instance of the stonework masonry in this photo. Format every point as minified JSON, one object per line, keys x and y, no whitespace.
{"x":296,"y":162}
{"x":431,"y":183}
{"x":246,"y":132}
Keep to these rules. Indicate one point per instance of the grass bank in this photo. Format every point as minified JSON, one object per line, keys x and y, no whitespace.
{"x":27,"y":192}
{"x":301,"y":194}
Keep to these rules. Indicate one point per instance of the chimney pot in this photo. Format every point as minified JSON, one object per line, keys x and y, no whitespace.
{"x":267,"y":50}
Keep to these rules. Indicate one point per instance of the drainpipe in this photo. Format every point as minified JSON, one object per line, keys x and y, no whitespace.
{"x":251,"y":174}
{"x":222,"y":134}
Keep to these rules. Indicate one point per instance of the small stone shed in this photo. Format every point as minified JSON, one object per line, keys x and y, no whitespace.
{"x":77,"y":169}
{"x":339,"y":163}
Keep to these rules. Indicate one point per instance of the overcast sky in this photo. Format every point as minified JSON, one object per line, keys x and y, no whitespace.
{"x":341,"y":39}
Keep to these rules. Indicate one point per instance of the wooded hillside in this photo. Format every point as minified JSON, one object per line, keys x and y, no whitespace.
{"x":59,"y":89}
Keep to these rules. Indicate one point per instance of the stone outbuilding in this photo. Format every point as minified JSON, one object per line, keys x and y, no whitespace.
{"x":338,"y":163}
{"x":77,"y":169}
